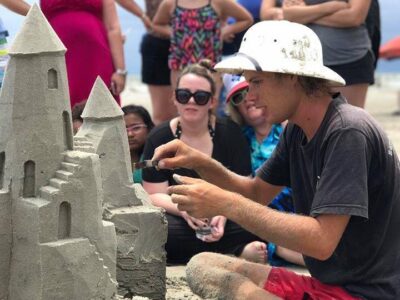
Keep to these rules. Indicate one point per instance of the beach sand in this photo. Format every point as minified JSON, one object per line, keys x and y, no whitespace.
{"x":381,"y":103}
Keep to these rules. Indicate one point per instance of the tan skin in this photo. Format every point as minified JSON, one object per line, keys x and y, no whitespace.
{"x":111,"y":23}
{"x":18,"y":6}
{"x":339,"y":14}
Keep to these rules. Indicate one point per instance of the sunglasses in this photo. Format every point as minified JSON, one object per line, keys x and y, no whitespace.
{"x":200,"y":97}
{"x":238,"y":97}
{"x":136,"y":128}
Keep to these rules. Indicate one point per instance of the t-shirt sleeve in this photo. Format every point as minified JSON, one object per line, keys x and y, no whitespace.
{"x":342,"y":187}
{"x":276,"y":169}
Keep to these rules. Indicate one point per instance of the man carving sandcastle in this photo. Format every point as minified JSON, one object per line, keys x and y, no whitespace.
{"x":344,"y":172}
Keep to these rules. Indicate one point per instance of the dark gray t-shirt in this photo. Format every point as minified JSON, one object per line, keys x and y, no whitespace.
{"x":348,"y":168}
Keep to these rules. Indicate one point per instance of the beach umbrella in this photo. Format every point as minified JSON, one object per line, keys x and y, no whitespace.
{"x":391,"y":49}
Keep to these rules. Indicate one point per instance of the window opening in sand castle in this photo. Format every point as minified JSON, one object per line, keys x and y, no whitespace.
{"x":64,"y":221}
{"x":29,"y":179}
{"x":52,"y":79}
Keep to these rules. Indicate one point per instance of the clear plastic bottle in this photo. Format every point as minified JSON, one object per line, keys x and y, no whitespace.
{"x":203,"y":232}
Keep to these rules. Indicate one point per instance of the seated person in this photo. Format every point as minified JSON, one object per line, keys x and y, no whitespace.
{"x":76,"y":112}
{"x":220,"y":139}
{"x":262,"y":137}
{"x":138,"y":125}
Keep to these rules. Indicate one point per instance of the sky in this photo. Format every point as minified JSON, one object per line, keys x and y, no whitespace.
{"x":133,"y":29}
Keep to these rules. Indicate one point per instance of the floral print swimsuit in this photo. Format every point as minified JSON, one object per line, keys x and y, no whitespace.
{"x":196,"y":35}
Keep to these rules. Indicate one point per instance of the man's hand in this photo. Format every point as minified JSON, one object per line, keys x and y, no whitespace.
{"x":177,"y":154}
{"x":198,"y":198}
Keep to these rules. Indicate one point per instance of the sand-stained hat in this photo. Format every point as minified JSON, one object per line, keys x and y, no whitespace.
{"x":280,"y":47}
{"x":233,"y":83}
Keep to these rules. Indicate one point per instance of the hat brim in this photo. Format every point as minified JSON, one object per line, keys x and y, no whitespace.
{"x":239,"y":64}
{"x":240,"y":86}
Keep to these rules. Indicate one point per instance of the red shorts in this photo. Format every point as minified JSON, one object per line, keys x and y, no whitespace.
{"x":291,"y":286}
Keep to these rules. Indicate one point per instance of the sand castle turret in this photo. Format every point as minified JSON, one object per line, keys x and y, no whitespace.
{"x":53,"y":241}
{"x":35,"y":112}
{"x":141,"y":227}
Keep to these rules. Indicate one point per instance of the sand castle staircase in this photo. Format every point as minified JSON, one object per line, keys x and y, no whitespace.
{"x":60,"y":186}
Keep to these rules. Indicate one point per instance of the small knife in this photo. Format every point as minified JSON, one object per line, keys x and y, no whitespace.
{"x":145,"y":164}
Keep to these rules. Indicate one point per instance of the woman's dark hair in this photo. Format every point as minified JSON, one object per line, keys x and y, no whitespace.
{"x":203,"y":69}
{"x":141,"y":112}
{"x":77,"y":111}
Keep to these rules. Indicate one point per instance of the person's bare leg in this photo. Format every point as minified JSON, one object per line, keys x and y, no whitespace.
{"x":212,"y":275}
{"x":355,"y":94}
{"x":255,"y":252}
{"x":162,"y":104}
{"x":174,"y":78}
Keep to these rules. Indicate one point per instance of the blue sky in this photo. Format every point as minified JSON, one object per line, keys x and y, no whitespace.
{"x":133,"y":28}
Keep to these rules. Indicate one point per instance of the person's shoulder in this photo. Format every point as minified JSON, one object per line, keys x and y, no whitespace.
{"x":160,"y":132}
{"x":226,"y":123}
{"x":351,"y":116}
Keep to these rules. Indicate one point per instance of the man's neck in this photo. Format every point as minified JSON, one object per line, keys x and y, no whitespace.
{"x":311,"y":113}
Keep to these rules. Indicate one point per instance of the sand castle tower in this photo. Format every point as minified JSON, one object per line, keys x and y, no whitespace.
{"x":53,"y":241}
{"x":141,"y":227}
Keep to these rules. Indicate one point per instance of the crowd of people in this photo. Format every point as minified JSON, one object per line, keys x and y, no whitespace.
{"x":298,"y":173}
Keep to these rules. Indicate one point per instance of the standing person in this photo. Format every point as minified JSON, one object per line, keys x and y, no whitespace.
{"x":195,"y":29}
{"x":19,"y":7}
{"x":217,"y":138}
{"x":340,"y":25}
{"x":91,"y":32}
{"x":155,"y":72}
{"x":343,"y":170}
{"x":262,"y":137}
{"x":138,"y":125}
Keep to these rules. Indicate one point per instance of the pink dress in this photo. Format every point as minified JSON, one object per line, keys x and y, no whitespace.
{"x":79,"y":24}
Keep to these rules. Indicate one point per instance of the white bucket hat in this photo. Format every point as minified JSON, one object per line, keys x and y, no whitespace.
{"x":280,"y":47}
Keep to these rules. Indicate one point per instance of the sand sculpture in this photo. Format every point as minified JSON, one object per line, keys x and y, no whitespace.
{"x":55,"y":189}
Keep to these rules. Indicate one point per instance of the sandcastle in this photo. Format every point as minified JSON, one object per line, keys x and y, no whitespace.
{"x":72,"y":223}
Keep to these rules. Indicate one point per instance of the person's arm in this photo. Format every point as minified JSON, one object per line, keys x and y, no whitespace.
{"x":302,"y":14}
{"x":111,"y":23}
{"x":162,"y":18}
{"x":17,"y":6}
{"x":315,"y":237}
{"x":158,"y":196}
{"x":269,"y":11}
{"x":354,"y":15}
{"x":177,"y":154}
{"x":243,"y":18}
{"x":134,"y":8}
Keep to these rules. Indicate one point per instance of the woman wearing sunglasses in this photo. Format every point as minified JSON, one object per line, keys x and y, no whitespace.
{"x":262,"y":138}
{"x":221,"y":139}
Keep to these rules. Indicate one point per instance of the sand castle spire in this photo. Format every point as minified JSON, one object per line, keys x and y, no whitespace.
{"x":101,"y":104}
{"x":36,"y":35}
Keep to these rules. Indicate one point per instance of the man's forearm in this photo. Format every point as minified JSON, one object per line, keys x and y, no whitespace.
{"x":310,"y":236}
